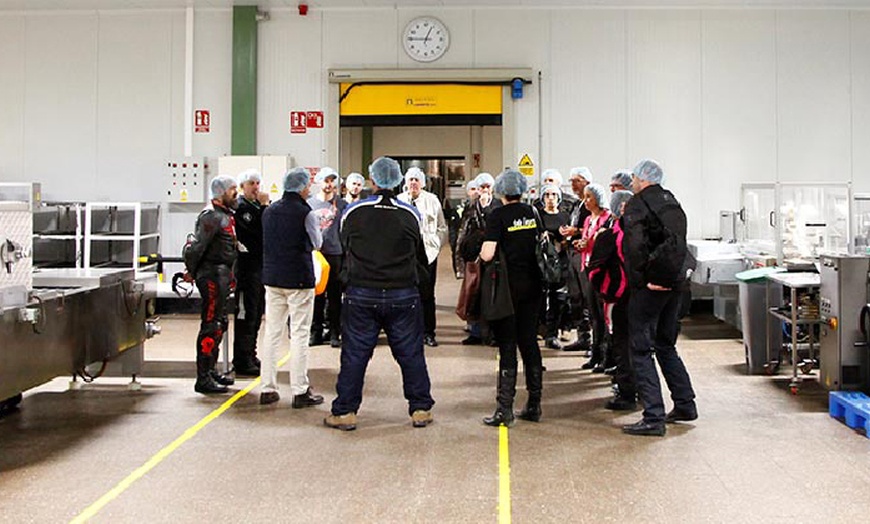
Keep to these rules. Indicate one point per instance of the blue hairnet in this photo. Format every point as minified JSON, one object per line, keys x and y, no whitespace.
{"x":220,"y":185}
{"x":415,"y":173}
{"x":510,"y":183}
{"x":354,"y":177}
{"x":617,"y":199}
{"x":296,"y":179}
{"x":247,"y":175}
{"x":326,"y":172}
{"x":598,"y":193}
{"x":385,"y":172}
{"x":649,"y":170}
{"x":622,"y":177}
{"x":472,"y":184}
{"x":554,"y":174}
{"x":582,"y":172}
{"x":484,"y":179}
{"x":553,"y":188}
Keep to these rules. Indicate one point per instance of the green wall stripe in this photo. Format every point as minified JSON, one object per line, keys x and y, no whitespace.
{"x":244,"y":117}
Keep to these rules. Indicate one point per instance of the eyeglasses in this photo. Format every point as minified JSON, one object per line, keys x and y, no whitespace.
{"x":551,"y":195}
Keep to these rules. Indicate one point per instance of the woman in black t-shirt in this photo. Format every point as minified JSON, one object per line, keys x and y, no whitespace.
{"x":513,"y":229}
{"x":554,"y":303}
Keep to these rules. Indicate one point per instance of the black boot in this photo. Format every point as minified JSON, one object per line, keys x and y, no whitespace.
{"x":223,"y":379}
{"x":535,"y":384}
{"x":204,"y":381}
{"x":507,"y":388}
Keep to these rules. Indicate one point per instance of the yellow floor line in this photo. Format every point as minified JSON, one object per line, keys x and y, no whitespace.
{"x":92,"y":510}
{"x":504,"y":477}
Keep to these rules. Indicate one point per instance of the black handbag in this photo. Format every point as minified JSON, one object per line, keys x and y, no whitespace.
{"x":495,"y":291}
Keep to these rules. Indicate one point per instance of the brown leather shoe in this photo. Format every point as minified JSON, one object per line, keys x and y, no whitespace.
{"x":269,"y":397}
{"x":421,"y":418}
{"x":346,"y":422}
{"x":306,"y":400}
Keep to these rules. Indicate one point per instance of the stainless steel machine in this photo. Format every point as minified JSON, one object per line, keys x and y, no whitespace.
{"x":73,"y":321}
{"x":843,"y":294}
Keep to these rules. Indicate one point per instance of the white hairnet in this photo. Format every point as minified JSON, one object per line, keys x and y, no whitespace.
{"x":553,"y":189}
{"x":248,"y":175}
{"x":385,"y":172}
{"x":553,"y":174}
{"x":296,"y":179}
{"x":622,"y":177}
{"x":484,"y":179}
{"x":415,"y":173}
{"x":354,"y":177}
{"x":472,"y":184}
{"x":326,"y":172}
{"x":220,"y":185}
{"x":617,"y":199}
{"x":510,"y":183}
{"x":581,"y":171}
{"x":649,"y":170}
{"x":599,"y":194}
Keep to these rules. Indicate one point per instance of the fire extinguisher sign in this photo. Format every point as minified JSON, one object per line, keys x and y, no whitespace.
{"x":298,"y":122}
{"x":201,"y":121}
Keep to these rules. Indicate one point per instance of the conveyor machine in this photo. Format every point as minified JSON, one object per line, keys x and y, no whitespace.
{"x":63,"y":321}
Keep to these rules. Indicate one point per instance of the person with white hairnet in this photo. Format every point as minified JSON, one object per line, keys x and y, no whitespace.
{"x":434,"y":229}
{"x":250,"y":293}
{"x":656,"y":259}
{"x":209,"y":258}
{"x":599,"y":218}
{"x":354,"y":186}
{"x":386,"y":265}
{"x":552,"y":177}
{"x":579,"y":178}
{"x":606,"y":272}
{"x":454,"y":214}
{"x":620,"y":181}
{"x":291,"y":231}
{"x":512,"y":236}
{"x":470,"y":239}
{"x":554,"y":305}
{"x":328,"y":206}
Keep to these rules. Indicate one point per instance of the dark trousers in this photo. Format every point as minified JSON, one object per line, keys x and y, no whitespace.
{"x":330,"y":298}
{"x":596,"y":312}
{"x":250,"y":306}
{"x":553,"y":306}
{"x":652,"y":318}
{"x":399,"y":313}
{"x":621,"y":349}
{"x":214,"y":289}
{"x":519,"y":331}
{"x":427,"y":296}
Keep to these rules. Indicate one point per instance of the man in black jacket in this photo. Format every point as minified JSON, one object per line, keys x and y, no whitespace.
{"x":249,"y":274}
{"x":655,"y":253}
{"x":385,"y":263}
{"x":209,"y":259}
{"x":290,"y":232}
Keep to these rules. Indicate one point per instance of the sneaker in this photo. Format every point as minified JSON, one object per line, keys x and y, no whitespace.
{"x":421,"y":418}
{"x":681,"y":415}
{"x":269,"y":397}
{"x":552,"y":343}
{"x":222,"y":379}
{"x":306,"y":400}
{"x":346,"y":422}
{"x":208,"y":386}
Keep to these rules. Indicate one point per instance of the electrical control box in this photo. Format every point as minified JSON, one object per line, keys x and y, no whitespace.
{"x":271,"y":167}
{"x":185,"y":180}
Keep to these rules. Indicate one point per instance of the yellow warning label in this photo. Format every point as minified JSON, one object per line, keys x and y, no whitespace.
{"x":274,"y":188}
{"x":526,"y":166}
{"x":183,"y":196}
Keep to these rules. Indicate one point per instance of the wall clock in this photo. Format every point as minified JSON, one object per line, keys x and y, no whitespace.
{"x":425,"y":39}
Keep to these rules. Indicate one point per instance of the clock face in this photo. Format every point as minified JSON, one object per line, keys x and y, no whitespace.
{"x":425,"y":39}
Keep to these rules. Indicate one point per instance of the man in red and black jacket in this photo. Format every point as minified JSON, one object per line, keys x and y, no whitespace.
{"x":209,"y":259}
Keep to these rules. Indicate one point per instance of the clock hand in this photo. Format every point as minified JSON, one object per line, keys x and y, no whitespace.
{"x":429,"y":33}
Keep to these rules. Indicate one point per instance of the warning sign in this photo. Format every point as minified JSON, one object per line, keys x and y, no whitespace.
{"x":526,"y":166}
{"x":183,"y":195}
{"x":274,"y":188}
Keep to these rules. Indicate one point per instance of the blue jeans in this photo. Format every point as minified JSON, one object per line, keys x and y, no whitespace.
{"x":364,"y":312}
{"x":653,"y":328}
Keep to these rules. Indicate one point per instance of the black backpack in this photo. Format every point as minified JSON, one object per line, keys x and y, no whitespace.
{"x":669,"y":259}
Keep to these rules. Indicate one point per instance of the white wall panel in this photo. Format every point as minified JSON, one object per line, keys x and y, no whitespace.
{"x":813,"y":96}
{"x":212,"y":80}
{"x":135,"y":103}
{"x":860,"y":31}
{"x":588,"y":90}
{"x":664,"y":100}
{"x":511,"y":38}
{"x":739,"y":108}
{"x":60,"y":104}
{"x":365,"y":38}
{"x":12,"y":70}
{"x":290,"y":79}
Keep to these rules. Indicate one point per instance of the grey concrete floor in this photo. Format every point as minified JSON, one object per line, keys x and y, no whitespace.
{"x":756,"y":454}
